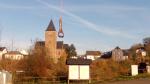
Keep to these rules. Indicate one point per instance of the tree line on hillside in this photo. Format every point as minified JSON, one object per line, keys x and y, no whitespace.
{"x":38,"y":65}
{"x":145,"y":45}
{"x":109,"y":69}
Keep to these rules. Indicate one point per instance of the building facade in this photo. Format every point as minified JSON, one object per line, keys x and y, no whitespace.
{"x":50,"y":41}
{"x":93,"y":55}
{"x":117,"y":54}
{"x":14,"y":55}
{"x":54,"y":49}
{"x":3,"y":51}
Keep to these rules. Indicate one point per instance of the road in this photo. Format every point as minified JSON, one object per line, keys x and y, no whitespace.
{"x":137,"y":81}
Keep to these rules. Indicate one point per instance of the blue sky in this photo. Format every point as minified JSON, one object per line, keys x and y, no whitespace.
{"x":88,"y":24}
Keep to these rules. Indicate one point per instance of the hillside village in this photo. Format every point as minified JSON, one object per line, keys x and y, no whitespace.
{"x":52,"y":60}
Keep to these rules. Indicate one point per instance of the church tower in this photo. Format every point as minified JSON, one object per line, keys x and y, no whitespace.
{"x":50,"y":41}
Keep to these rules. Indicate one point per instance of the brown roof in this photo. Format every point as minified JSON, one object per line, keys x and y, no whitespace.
{"x":126,"y":52}
{"x":96,"y":53}
{"x":66,"y":46}
{"x":78,"y":61}
{"x":2,"y":48}
{"x":40,"y":43}
{"x":59,"y":44}
{"x":13,"y":52}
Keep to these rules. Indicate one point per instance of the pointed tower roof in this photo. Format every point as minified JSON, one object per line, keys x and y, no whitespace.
{"x":51,"y":26}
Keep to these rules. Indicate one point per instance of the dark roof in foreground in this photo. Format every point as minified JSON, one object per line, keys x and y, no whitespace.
{"x":107,"y":55}
{"x":78,"y":61}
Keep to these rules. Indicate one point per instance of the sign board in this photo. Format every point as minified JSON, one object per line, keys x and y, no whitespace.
{"x":73,"y":72}
{"x":5,"y":77}
{"x":143,"y":53}
{"x":148,"y":69}
{"x":84,"y":72}
{"x":134,"y":70}
{"x":79,"y":72}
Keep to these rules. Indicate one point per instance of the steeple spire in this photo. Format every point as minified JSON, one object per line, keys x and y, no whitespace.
{"x":60,"y":32}
{"x":51,"y":26}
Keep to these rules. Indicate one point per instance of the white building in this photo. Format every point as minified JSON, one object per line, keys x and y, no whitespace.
{"x":93,"y":54}
{"x":13,"y":55}
{"x":24,"y":52}
{"x":3,"y":50}
{"x":79,"y":69}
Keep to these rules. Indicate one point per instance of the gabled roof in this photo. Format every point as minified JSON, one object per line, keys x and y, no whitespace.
{"x":40,"y":43}
{"x":59,"y":44}
{"x":13,"y":52}
{"x":51,"y":27}
{"x":2,"y":48}
{"x":96,"y":53}
{"x":78,"y":61}
{"x":66,"y":46}
{"x":126,"y":52}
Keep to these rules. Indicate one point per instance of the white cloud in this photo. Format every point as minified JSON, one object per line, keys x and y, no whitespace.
{"x":88,"y":24}
{"x":104,"y":8}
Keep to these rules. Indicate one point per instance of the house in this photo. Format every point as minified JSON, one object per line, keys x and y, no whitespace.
{"x":3,"y":50}
{"x":141,"y":51}
{"x":141,"y":54}
{"x":78,"y":69}
{"x":126,"y":54}
{"x":106,"y":55}
{"x":24,"y":52}
{"x":61,"y":49}
{"x":93,"y":55}
{"x":13,"y":55}
{"x":117,"y":54}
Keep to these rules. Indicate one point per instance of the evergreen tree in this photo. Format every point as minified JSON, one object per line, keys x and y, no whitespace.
{"x":71,"y":51}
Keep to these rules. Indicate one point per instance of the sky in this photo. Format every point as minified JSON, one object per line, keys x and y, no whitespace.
{"x":88,"y":24}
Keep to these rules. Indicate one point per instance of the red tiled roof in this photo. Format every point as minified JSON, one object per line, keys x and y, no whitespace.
{"x":93,"y":53}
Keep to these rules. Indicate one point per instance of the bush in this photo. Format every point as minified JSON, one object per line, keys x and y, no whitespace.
{"x":108,"y":69}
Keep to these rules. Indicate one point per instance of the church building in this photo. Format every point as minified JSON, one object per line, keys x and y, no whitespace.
{"x":54,"y":49}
